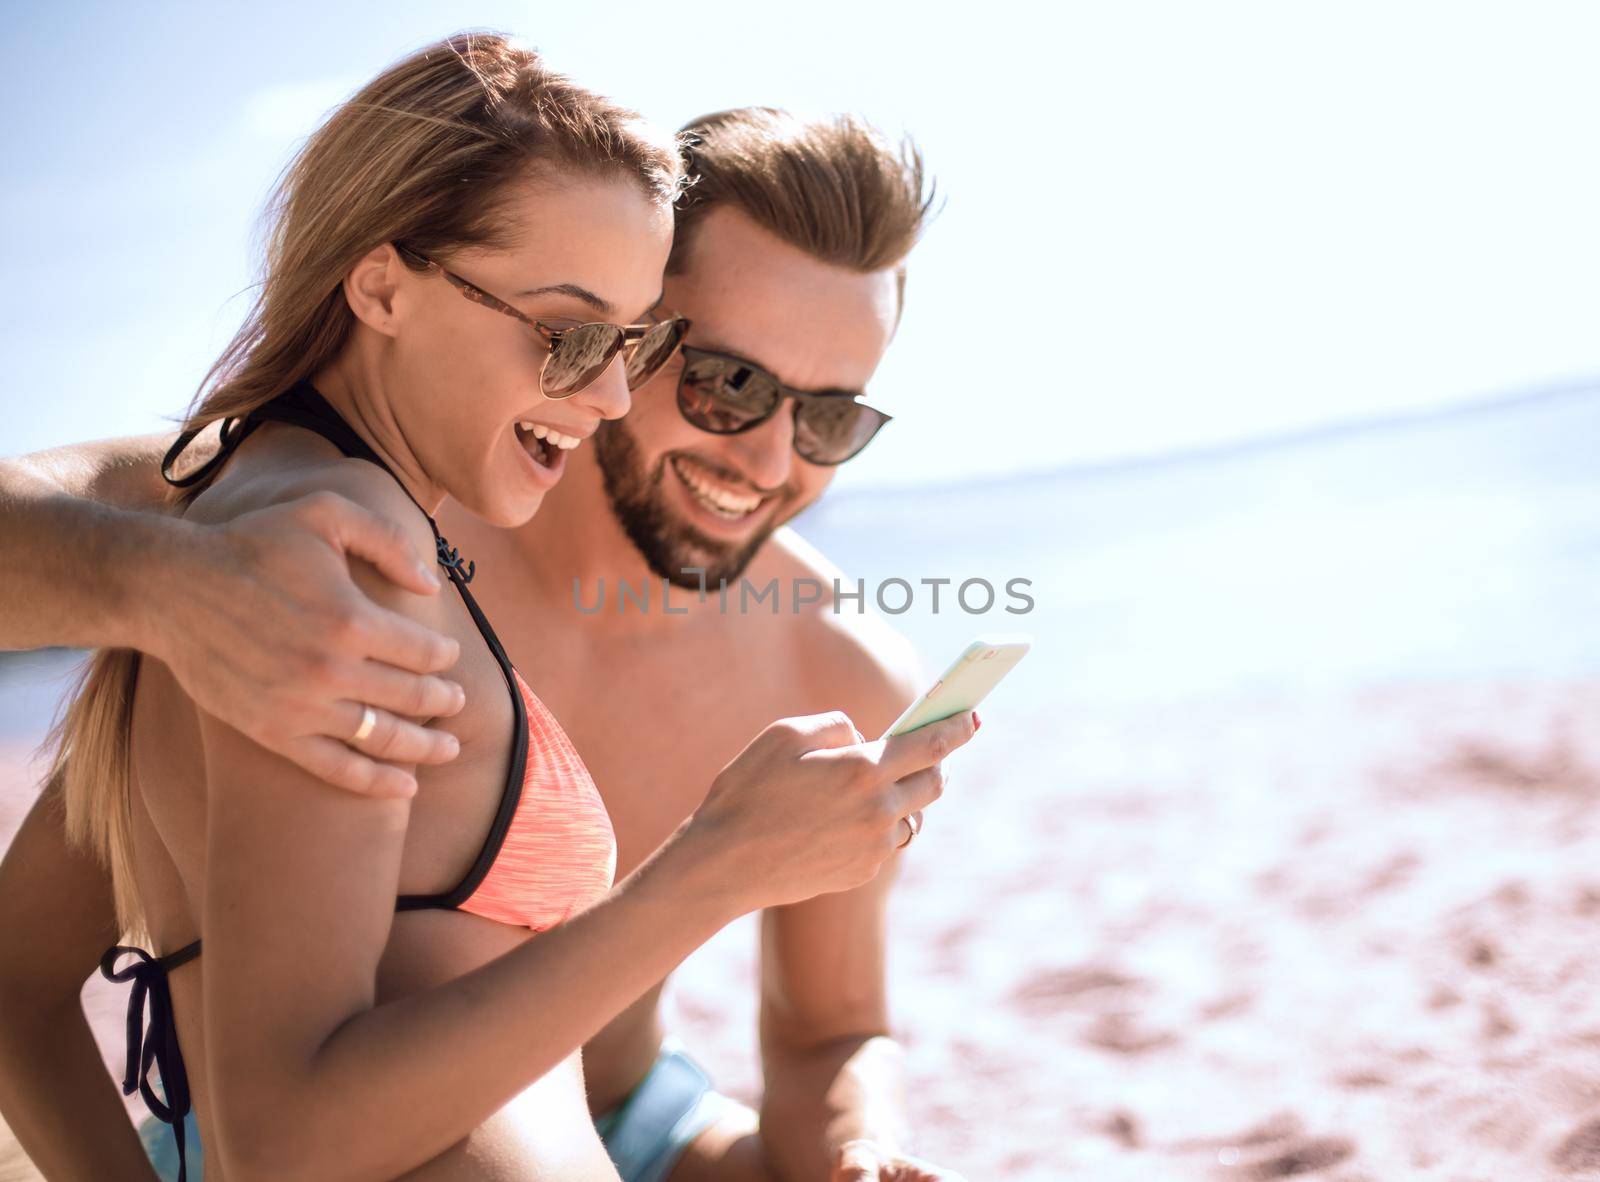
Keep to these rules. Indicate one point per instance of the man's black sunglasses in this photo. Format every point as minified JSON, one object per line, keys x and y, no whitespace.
{"x":725,"y":395}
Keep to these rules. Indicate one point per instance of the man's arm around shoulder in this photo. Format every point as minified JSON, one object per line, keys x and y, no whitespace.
{"x":80,"y":534}
{"x":257,"y":618}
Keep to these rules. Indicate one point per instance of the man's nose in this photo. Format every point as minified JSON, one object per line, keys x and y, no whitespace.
{"x":608,"y":394}
{"x":766,"y":454}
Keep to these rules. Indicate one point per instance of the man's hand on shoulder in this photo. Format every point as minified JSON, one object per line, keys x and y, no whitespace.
{"x":259,"y":614}
{"x":263,"y":625}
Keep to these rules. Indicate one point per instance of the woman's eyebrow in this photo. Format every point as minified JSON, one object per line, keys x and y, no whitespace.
{"x":576,"y":292}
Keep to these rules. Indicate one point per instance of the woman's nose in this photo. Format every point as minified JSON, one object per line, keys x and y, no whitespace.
{"x":608,"y":394}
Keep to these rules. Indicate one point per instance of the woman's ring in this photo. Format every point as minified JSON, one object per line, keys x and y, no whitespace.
{"x":369,"y":722}
{"x":913,"y":823}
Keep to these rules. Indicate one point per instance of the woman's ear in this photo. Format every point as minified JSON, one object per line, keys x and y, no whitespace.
{"x":370,"y":287}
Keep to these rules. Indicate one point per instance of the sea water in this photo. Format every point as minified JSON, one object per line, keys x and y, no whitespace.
{"x":1461,"y":544}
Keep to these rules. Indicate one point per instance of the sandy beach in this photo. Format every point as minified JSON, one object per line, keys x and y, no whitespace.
{"x":1345,"y":935}
{"x":1348,"y":937}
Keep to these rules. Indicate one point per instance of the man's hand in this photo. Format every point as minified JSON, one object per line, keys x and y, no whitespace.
{"x":261,"y":624}
{"x":864,"y":1161}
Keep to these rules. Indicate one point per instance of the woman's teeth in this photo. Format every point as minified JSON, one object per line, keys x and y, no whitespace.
{"x":719,"y":500}
{"x":549,"y":435}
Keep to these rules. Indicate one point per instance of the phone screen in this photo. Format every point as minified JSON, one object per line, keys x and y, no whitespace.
{"x":980,"y":667}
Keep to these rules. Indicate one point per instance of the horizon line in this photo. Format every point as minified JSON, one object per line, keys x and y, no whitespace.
{"x":1268,"y":441}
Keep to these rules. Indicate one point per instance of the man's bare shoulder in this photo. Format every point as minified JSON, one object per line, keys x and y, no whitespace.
{"x":843,"y":647}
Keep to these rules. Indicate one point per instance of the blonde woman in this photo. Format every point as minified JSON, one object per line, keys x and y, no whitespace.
{"x":348,"y":985}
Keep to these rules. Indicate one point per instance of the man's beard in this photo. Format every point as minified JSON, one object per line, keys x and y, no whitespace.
{"x":668,"y":545}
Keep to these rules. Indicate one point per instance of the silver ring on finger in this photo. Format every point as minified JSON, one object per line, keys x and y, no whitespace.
{"x":369,"y":723}
{"x":913,"y":823}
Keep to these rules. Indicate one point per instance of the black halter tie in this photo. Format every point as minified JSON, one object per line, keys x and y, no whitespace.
{"x":154,"y":1042}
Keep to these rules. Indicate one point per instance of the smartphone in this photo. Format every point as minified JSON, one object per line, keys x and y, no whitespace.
{"x":979,"y":668}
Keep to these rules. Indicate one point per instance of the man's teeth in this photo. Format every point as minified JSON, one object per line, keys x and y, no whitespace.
{"x":727,"y":503}
{"x":552,"y":437}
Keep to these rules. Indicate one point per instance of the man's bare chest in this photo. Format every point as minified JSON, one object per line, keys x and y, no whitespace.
{"x":655,"y":719}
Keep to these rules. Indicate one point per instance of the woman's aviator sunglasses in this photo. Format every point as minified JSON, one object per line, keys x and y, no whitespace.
{"x":723,"y":394}
{"x":580,"y":354}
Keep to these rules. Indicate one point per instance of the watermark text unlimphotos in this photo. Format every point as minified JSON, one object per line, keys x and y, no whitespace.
{"x":892,"y":597}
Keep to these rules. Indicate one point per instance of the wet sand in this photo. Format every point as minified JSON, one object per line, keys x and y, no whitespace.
{"x":1347,"y":936}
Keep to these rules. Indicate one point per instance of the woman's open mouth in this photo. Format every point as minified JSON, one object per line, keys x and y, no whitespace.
{"x":539,"y":449}
{"x":546,"y":447}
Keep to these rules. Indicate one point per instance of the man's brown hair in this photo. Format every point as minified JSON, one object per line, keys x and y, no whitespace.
{"x":834,"y":187}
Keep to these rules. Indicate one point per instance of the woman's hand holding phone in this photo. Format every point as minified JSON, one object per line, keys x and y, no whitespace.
{"x":811,"y":807}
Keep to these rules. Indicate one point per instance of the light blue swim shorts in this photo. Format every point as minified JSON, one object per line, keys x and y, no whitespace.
{"x":645,"y":1135}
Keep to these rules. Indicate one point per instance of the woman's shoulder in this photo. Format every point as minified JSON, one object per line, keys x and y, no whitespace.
{"x":284,"y":468}
{"x":279,"y":465}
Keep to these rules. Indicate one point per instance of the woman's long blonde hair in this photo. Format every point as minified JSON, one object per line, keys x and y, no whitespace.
{"x":420,"y":154}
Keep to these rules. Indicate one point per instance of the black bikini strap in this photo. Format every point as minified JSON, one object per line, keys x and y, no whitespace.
{"x":233,"y":433}
{"x":302,"y":405}
{"x":156,"y":1042}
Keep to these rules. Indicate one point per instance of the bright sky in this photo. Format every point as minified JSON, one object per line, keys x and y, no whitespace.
{"x":1192,"y":222}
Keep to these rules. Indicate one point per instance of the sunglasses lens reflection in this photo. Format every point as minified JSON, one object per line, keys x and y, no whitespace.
{"x":653,"y":350}
{"x":579,"y":357}
{"x":722,"y":396}
{"x":832,"y":430}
